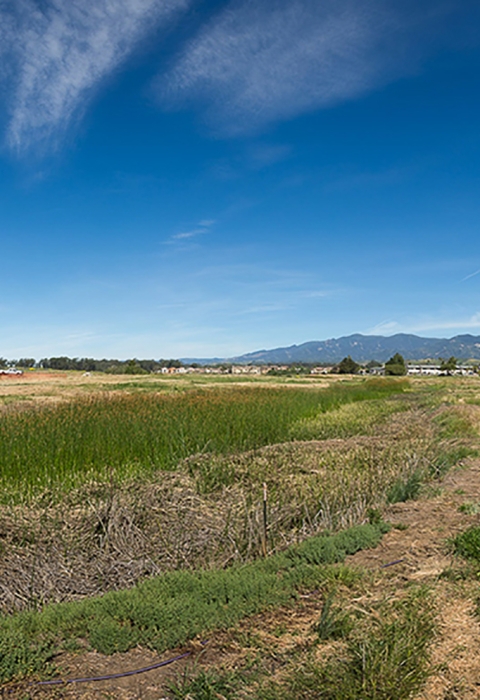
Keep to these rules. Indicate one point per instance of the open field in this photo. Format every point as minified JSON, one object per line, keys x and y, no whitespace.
{"x":51,"y":387}
{"x":118,"y":483}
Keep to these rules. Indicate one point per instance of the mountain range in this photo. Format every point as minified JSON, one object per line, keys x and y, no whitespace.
{"x":361,"y":348}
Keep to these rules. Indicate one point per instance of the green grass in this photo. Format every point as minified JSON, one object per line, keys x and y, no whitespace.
{"x":97,"y":438}
{"x":205,"y":685}
{"x":448,"y":455}
{"x":166,"y":611}
{"x":334,"y":623}
{"x":452,"y":424}
{"x":405,"y":489}
{"x":387,"y":660}
{"x":347,"y":420}
{"x":469,"y":508}
{"x":467,"y":544}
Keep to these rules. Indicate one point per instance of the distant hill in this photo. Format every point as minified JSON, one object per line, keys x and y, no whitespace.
{"x":362,"y":348}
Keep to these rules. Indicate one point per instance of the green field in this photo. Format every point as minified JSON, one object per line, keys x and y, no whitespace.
{"x":132,"y":434}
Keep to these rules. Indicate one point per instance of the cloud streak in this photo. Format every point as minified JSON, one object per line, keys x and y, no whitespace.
{"x":473,"y":274}
{"x":55,"y":53}
{"x":259,"y":61}
{"x":428,"y":325}
{"x":201,"y":228}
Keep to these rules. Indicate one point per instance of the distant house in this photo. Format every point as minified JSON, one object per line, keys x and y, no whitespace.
{"x":377,"y":371}
{"x":425,"y":370}
{"x":436,"y":371}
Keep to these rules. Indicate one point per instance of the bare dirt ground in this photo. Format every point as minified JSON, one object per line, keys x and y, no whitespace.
{"x":417,"y":552}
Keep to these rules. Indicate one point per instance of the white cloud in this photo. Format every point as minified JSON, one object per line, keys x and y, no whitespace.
{"x":58,"y":51}
{"x":427,"y":325}
{"x":202,"y":227}
{"x":459,"y":324}
{"x":261,"y":60}
{"x":189,"y":234}
{"x":473,"y":274}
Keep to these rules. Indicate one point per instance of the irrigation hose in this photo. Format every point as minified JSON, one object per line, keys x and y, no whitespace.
{"x":392,"y":563}
{"x":123,"y":674}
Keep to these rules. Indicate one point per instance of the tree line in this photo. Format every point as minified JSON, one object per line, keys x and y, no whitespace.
{"x":89,"y":364}
{"x":395,"y":366}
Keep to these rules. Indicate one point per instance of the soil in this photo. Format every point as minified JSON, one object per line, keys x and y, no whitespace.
{"x":416,"y":550}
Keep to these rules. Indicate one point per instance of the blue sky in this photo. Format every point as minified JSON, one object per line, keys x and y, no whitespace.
{"x":186,"y":178}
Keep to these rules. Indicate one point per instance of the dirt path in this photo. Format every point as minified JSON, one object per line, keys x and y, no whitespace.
{"x":422,"y":547}
{"x":420,"y":555}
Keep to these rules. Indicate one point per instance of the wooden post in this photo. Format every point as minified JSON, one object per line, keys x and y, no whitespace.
{"x":265,"y":523}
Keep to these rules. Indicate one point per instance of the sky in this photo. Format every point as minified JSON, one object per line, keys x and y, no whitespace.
{"x":204,"y":178}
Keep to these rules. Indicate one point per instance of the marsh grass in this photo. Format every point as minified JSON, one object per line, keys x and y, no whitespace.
{"x":92,"y":438}
{"x":455,"y":423}
{"x":319,"y":484}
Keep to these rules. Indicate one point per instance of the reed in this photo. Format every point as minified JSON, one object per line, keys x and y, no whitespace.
{"x":95,"y":438}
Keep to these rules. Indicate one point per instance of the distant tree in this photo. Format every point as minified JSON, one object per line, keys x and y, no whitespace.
{"x":26,"y":362}
{"x":449,"y":365}
{"x":55,"y":362}
{"x":3,"y":362}
{"x":174,"y":363}
{"x":133,"y":367}
{"x":395,"y":366}
{"x":347,"y":366}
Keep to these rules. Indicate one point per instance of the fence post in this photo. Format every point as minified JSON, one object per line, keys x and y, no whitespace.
{"x":265,"y":523}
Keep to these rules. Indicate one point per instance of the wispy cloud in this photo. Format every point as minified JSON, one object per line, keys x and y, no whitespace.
{"x":384,"y":328}
{"x":56,"y":52}
{"x":427,"y":325}
{"x":467,"y":323}
{"x":188,"y":234}
{"x":473,"y":274}
{"x":259,"y":61}
{"x":201,"y":228}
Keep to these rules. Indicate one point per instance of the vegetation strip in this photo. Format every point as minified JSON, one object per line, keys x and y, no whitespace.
{"x":166,"y":611}
{"x":123,"y":436}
